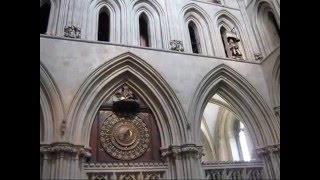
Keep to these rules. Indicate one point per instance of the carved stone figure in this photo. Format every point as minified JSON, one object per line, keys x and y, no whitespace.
{"x":72,"y":32}
{"x":176,"y":45}
{"x":234,"y":48}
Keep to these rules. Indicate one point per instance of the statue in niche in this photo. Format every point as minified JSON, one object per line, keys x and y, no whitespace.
{"x":234,"y":48}
{"x":233,"y":44}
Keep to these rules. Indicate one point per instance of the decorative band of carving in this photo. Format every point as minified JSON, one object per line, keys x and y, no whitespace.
{"x":185,"y":150}
{"x":125,"y":164}
{"x":268,"y":149}
{"x":64,"y":147}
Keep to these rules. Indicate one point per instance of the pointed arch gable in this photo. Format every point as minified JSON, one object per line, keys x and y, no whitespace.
{"x":194,"y":13}
{"x":51,"y":106}
{"x":90,"y":30}
{"x":261,"y":7}
{"x":157,"y":24}
{"x":241,"y":95}
{"x":145,"y":81}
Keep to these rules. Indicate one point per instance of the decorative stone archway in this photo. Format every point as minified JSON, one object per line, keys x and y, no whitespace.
{"x":248,"y":103}
{"x":180,"y":156}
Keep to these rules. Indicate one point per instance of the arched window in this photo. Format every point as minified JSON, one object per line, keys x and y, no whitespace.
{"x":104,"y":25}
{"x":194,"y":38}
{"x":144,"y":31}
{"x":44,"y":17}
{"x":241,"y":141}
{"x":224,"y":39}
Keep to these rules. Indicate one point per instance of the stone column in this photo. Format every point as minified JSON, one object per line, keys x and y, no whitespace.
{"x":184,"y":161}
{"x":270,"y":155}
{"x":63,"y":160}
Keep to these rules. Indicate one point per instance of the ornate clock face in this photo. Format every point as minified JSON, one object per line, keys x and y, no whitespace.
{"x":124,"y":138}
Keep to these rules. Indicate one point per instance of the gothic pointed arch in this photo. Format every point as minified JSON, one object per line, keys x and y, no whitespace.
{"x":266,"y":29}
{"x":242,"y":96}
{"x":228,"y":21}
{"x":49,"y":23}
{"x":142,"y":79}
{"x":157,"y":26}
{"x":114,"y":10}
{"x":192,"y":13}
{"x":51,"y":107}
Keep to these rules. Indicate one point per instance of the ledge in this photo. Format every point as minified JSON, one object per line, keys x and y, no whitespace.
{"x":146,"y":48}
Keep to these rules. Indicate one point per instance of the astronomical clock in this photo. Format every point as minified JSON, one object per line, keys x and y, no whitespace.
{"x":124,"y":130}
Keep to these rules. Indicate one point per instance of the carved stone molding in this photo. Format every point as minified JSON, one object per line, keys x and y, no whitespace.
{"x":65,"y":148}
{"x":258,"y":56}
{"x":183,"y":151}
{"x":72,"y":32}
{"x":176,"y":45}
{"x":125,"y":165}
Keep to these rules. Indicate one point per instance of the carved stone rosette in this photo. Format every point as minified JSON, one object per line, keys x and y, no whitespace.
{"x":183,"y":151}
{"x":176,"y":45}
{"x":72,"y":32}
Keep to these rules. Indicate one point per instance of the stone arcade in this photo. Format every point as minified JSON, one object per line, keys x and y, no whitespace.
{"x":159,"y":89}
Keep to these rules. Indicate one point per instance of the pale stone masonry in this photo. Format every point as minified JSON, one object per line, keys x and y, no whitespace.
{"x":238,"y":57}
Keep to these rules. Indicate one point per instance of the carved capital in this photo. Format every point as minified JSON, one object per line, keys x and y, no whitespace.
{"x":84,"y":153}
{"x":267,"y":150}
{"x":176,"y":45}
{"x":63,"y":148}
{"x":274,"y":148}
{"x":183,"y":151}
{"x":72,"y":32}
{"x":192,"y":150}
